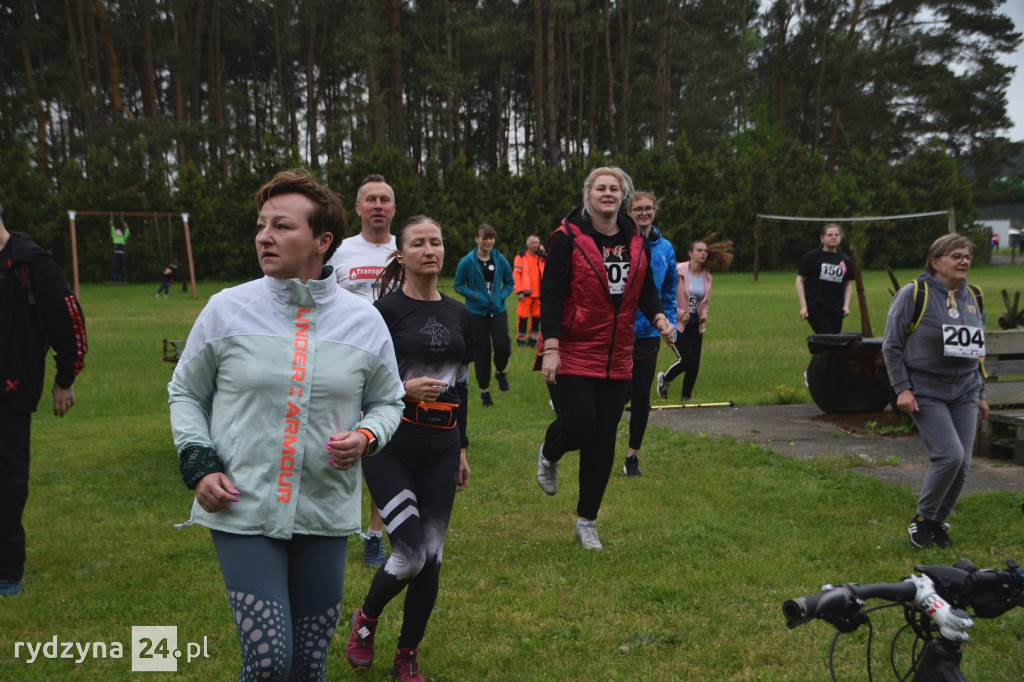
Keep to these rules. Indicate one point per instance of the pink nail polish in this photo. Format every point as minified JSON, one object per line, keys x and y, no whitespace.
{"x":234,"y":492}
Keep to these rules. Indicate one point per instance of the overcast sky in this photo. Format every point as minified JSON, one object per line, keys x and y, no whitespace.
{"x":1015,"y":94}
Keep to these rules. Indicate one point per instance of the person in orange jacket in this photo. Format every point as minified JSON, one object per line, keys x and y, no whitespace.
{"x":527,"y":272}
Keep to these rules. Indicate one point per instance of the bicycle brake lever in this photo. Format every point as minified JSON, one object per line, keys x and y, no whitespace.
{"x":847,"y":621}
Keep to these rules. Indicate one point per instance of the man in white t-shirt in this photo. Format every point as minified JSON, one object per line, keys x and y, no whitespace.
{"x":357,"y":263}
{"x":361,"y":258}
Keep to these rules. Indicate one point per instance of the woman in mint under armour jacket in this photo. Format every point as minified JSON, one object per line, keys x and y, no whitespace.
{"x":285,"y":383}
{"x":933,"y":345}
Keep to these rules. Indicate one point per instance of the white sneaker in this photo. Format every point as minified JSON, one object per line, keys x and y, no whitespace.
{"x":587,"y":533}
{"x":547,"y":473}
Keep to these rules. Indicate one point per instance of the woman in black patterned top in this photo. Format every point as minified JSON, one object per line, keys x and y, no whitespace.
{"x":414,"y":478}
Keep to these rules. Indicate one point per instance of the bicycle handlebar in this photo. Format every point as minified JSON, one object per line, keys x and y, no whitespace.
{"x":942,"y":592}
{"x":847,"y":599}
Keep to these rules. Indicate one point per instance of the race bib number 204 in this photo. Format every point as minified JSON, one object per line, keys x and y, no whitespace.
{"x":963,"y":341}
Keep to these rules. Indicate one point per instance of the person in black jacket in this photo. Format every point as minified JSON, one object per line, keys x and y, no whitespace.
{"x":37,"y":312}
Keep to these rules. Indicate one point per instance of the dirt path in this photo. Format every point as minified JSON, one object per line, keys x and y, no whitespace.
{"x":804,"y":431}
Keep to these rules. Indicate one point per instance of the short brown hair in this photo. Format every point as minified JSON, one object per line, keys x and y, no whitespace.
{"x":328,"y":214}
{"x":943,"y":246}
{"x":484,"y":230}
{"x":373,"y":177}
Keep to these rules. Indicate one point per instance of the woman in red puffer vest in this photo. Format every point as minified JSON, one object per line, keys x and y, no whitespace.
{"x":597,"y":276}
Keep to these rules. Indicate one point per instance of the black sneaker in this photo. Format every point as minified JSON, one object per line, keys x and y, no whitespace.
{"x":662,"y":386}
{"x":486,"y":398}
{"x":921,"y":533}
{"x":942,"y":538}
{"x":502,"y":380}
{"x":632,"y":467}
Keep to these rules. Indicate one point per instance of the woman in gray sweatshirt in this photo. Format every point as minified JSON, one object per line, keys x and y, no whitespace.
{"x":933,"y":346}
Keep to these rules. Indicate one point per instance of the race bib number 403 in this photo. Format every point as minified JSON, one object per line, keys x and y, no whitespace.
{"x":963,"y":341}
{"x":617,"y":274}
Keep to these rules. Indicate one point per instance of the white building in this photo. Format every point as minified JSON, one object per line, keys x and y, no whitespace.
{"x":999,"y":227}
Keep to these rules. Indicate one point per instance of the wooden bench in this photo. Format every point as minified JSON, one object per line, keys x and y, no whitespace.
{"x":1002,"y":434}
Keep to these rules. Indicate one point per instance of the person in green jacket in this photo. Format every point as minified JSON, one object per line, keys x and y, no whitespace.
{"x":120,"y":239}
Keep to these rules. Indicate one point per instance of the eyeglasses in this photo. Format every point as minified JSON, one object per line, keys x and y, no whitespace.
{"x":958,"y":257}
{"x":643,"y":209}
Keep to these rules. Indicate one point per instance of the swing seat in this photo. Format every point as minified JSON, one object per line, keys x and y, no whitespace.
{"x":172,"y":350}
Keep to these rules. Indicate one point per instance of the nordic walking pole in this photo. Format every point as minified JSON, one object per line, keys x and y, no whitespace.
{"x":655,"y":408}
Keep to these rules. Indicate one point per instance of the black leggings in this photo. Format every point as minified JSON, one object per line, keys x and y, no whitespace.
{"x":645,"y":364}
{"x":488,"y":330}
{"x":413,"y":480}
{"x":286,"y":598}
{"x":587,"y":417}
{"x":687,"y":347}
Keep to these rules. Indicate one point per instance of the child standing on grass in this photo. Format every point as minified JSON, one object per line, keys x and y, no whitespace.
{"x":168,"y":274}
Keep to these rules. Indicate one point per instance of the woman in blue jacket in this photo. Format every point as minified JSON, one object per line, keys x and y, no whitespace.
{"x":484,"y":279}
{"x":648,"y":338}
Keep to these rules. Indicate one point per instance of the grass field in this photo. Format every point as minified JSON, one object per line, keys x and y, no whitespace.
{"x":699,"y":554}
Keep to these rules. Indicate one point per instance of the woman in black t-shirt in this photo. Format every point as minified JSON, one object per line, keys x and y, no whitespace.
{"x":414,"y":478}
{"x":824,"y":283}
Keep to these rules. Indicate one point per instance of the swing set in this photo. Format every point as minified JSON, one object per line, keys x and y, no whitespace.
{"x":155,"y":215}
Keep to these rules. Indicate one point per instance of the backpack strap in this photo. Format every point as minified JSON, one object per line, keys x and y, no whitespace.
{"x":920,"y":305}
{"x":979,"y":300}
{"x":976,"y":294}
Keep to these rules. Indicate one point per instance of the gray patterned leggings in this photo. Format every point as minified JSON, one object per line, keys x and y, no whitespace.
{"x":285,"y":596}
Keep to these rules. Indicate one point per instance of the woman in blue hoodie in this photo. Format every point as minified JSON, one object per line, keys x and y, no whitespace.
{"x":648,"y":339}
{"x":484,"y":279}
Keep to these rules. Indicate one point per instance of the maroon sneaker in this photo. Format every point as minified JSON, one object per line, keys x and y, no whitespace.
{"x":406,"y":667}
{"x":359,"y":650}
